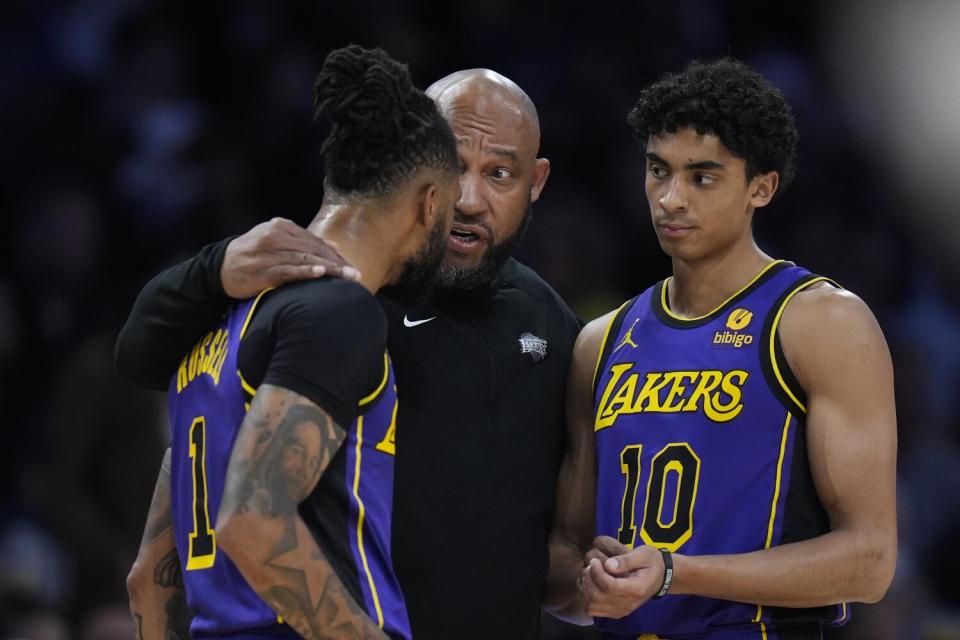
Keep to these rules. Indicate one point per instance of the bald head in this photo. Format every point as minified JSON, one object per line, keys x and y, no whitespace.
{"x":489,"y":95}
{"x":498,"y":136}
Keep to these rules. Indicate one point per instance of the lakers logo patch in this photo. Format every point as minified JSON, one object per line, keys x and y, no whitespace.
{"x":739,"y":319}
{"x":536,"y":347}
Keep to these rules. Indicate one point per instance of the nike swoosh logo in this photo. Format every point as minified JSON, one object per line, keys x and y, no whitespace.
{"x":407,"y":322}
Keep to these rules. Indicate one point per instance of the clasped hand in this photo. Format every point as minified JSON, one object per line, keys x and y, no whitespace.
{"x":616,"y":580}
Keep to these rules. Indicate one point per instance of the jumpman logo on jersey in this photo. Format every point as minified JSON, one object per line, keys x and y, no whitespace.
{"x":628,"y":338}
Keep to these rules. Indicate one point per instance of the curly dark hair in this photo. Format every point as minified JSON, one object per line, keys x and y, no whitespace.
{"x":385,"y":130}
{"x":729,"y":100}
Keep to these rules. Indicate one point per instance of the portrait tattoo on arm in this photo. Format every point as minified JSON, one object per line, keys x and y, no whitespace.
{"x":285,"y":444}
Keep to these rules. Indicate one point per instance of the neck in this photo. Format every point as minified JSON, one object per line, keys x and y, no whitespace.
{"x":355,"y":228}
{"x":698,"y":287}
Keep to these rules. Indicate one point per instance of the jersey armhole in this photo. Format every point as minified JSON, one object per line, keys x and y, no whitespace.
{"x":611,"y":332}
{"x":366,"y":401}
{"x":779,"y":376}
{"x":248,"y":390}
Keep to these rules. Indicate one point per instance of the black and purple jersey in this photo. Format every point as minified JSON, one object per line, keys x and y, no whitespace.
{"x":325,"y":340}
{"x":701,"y":450}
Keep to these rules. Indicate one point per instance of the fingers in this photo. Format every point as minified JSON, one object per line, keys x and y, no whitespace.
{"x":285,"y":273}
{"x":610,"y":546}
{"x":341,"y":271}
{"x":611,"y":551}
{"x":644,"y":557}
{"x":275,"y":253}
{"x":590,"y":590}
{"x":324,"y":266}
{"x":295,"y":240}
{"x":280,"y":234}
{"x":601,"y":592}
{"x":598,"y":576}
{"x":289,"y":238}
{"x":610,"y":596}
{"x":595,"y":553}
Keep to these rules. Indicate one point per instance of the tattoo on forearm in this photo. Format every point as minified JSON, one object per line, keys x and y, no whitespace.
{"x":179,"y":617}
{"x":273,"y":468}
{"x":167,"y":572}
{"x":335,"y":616}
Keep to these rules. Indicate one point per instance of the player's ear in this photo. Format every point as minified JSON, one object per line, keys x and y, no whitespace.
{"x":429,"y":205}
{"x":541,"y":171}
{"x":762,"y":188}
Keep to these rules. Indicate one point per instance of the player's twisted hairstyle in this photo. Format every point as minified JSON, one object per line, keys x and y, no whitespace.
{"x":729,"y":100}
{"x":384,"y":128}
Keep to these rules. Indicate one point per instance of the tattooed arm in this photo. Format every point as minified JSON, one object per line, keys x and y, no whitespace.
{"x":284,"y":445}
{"x":158,"y":602}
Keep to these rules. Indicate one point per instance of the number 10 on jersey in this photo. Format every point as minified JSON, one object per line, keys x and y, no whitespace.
{"x":676,"y":459}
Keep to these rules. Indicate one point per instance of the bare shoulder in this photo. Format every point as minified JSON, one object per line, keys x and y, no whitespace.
{"x":824,"y":310}
{"x":826,"y":329}
{"x":590,"y":341}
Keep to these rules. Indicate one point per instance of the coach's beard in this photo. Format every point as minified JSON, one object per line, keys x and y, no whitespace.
{"x":486,"y":273}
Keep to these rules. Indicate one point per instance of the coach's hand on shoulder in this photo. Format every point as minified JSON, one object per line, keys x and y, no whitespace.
{"x":277,"y":252}
{"x":617,"y":580}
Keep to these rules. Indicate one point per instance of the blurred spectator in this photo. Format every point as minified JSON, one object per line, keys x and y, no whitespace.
{"x":103,"y":440}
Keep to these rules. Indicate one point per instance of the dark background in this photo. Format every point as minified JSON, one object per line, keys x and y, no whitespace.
{"x":134,"y":132}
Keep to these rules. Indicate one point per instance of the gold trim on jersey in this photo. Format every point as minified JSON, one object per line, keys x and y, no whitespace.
{"x":603,"y":341}
{"x":246,"y":385}
{"x":773,"y":338}
{"x":666,"y":305}
{"x":773,"y":504}
{"x":253,"y":307}
{"x":360,"y":518}
{"x":776,"y":488}
{"x":248,"y":389}
{"x":376,"y":392}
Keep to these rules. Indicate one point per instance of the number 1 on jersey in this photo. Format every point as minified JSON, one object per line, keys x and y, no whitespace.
{"x":202,"y":542}
{"x":630,"y":467}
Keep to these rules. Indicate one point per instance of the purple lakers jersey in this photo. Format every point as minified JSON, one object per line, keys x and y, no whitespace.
{"x":701,"y":449}
{"x":349,"y":512}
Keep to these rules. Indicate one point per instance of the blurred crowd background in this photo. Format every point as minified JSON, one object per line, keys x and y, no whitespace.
{"x":136,"y":131}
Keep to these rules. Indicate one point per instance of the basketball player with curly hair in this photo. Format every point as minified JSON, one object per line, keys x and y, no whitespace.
{"x":732,"y":434}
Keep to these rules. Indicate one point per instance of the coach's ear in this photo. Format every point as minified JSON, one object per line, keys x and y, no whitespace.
{"x":762,"y":188}
{"x":541,"y":171}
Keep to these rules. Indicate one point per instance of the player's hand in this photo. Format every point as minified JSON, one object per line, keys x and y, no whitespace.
{"x":617,"y":580}
{"x":277,"y":252}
